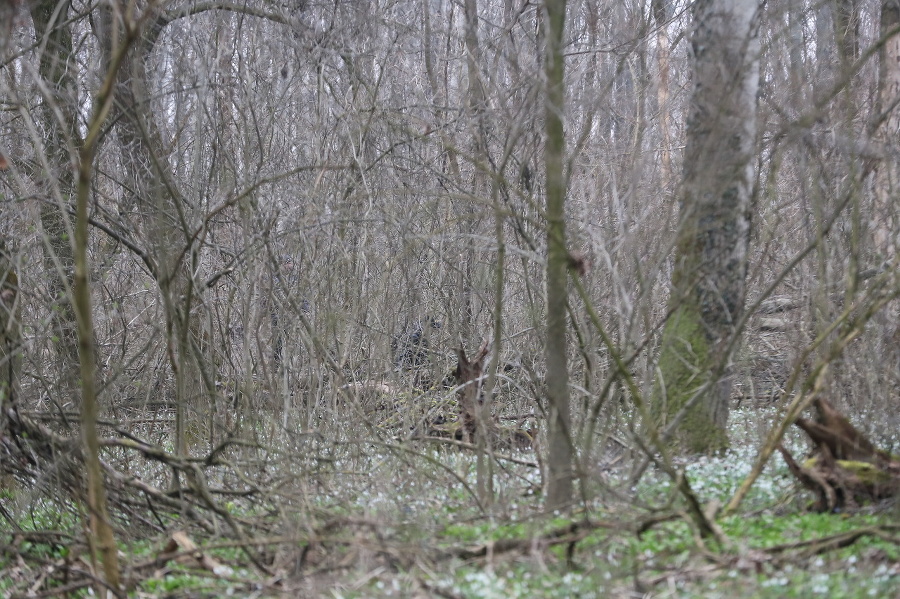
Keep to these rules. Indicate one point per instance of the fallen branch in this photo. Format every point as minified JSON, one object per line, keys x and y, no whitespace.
{"x":821,"y":545}
{"x":569,"y":534}
{"x":473,"y":447}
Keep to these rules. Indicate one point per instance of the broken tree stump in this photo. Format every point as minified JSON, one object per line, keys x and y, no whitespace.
{"x":469,"y":393}
{"x":846,"y":469}
{"x":469,"y":376}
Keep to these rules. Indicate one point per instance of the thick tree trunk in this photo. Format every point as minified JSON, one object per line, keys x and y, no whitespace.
{"x":707,"y":295}
{"x":560,"y":476}
{"x":58,"y":117}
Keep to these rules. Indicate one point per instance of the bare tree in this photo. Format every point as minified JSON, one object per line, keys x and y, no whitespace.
{"x":292,"y":211}
{"x":560,"y":458}
{"x":102,"y":539}
{"x":708,"y":281}
{"x":661,"y":17}
{"x":885,"y":222}
{"x":10,"y":333}
{"x":58,"y":123}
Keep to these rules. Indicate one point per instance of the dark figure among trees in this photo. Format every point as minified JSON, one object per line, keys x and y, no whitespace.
{"x":411,"y":350}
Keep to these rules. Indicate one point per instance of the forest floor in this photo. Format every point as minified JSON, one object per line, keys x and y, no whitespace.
{"x":388,"y":523}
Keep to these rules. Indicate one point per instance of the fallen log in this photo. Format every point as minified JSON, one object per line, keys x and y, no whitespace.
{"x":845,"y":470}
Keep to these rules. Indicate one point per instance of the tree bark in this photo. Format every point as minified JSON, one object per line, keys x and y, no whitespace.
{"x":10,"y":349}
{"x":148,"y":182}
{"x":661,"y":12}
{"x":102,"y":538}
{"x":560,"y":475}
{"x":846,"y":31}
{"x":476,"y":100}
{"x":708,"y":280}
{"x":886,"y":222}
{"x":58,"y":117}
{"x":10,"y":333}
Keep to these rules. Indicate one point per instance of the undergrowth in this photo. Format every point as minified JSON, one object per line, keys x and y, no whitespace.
{"x":389,"y":522}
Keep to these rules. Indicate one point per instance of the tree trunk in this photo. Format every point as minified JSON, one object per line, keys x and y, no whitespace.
{"x":661,"y":12}
{"x":846,"y":31}
{"x":10,"y":333}
{"x":481,"y":183}
{"x":885,"y":221}
{"x":148,"y":182}
{"x":102,"y":540}
{"x":885,"y":216}
{"x":707,"y":293}
{"x":559,"y":481}
{"x":58,"y":116}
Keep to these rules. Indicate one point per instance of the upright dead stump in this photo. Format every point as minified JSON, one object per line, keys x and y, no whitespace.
{"x":470,"y":396}
{"x":468,"y":377}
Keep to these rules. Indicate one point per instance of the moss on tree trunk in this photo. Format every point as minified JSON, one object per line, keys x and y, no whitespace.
{"x":683,"y":366}
{"x":708,"y":286}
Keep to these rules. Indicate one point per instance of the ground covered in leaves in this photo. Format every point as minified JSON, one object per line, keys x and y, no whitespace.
{"x":395,"y":519}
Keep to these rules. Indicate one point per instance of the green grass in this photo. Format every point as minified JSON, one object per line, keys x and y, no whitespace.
{"x":423,"y":513}
{"x":607,"y":564}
